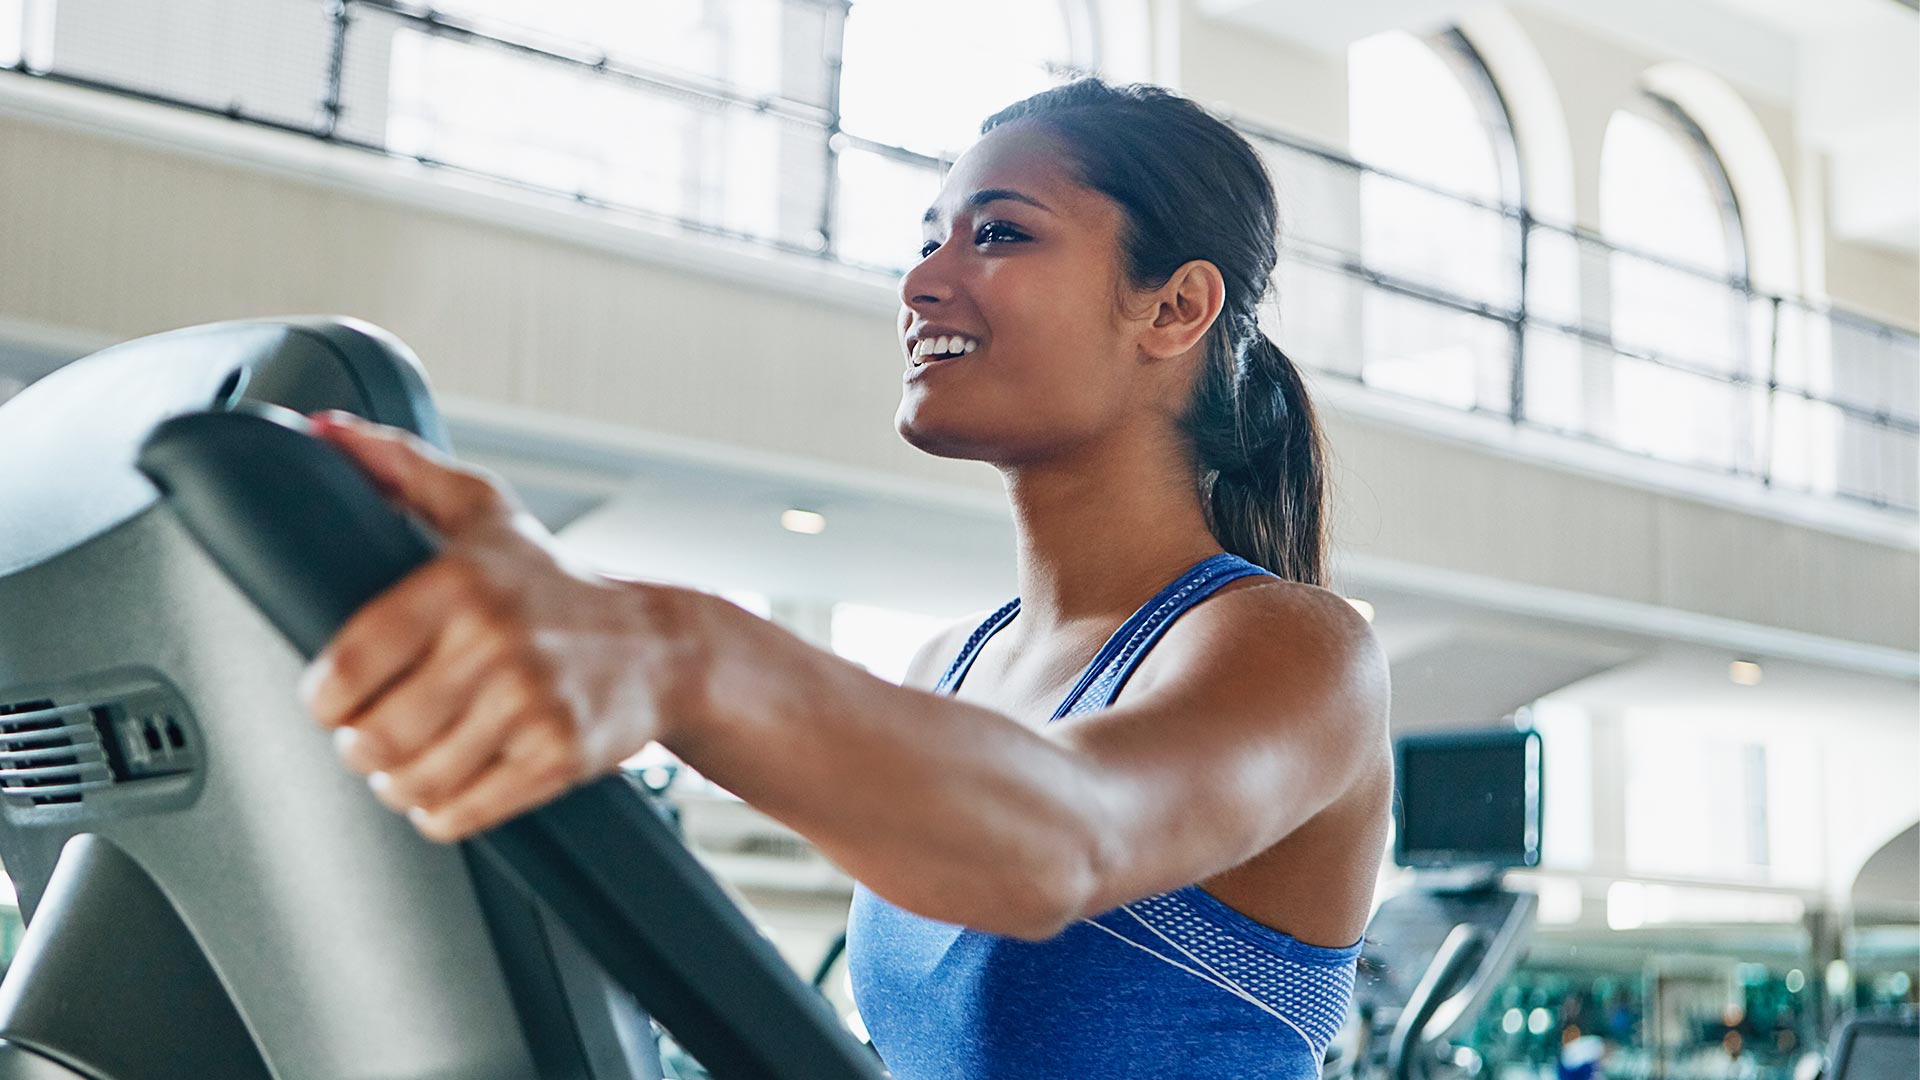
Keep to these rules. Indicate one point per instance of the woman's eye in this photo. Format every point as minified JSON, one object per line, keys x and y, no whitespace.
{"x":997,"y":231}
{"x":993,"y":232}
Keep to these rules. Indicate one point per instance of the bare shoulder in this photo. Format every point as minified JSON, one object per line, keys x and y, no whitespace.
{"x":1274,"y":603}
{"x":1269,"y":636}
{"x":1287,"y":617}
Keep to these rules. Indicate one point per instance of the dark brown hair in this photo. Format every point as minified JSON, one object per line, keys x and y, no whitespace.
{"x":1192,"y":188}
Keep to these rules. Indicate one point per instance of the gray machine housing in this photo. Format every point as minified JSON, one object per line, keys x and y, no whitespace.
{"x":139,"y":853}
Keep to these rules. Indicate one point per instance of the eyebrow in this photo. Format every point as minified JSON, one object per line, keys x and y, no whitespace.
{"x":985,"y":196}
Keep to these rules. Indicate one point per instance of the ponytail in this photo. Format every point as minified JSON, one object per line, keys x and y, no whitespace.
{"x":1261,"y":456}
{"x":1190,"y":187}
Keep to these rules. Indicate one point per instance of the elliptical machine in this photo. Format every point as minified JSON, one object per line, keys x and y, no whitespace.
{"x":1466,"y":807}
{"x":208,"y":895}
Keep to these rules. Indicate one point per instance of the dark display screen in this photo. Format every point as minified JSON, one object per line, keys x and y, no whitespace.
{"x":1468,"y":799}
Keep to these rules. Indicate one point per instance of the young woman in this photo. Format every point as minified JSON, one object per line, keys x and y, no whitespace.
{"x":1128,"y":826}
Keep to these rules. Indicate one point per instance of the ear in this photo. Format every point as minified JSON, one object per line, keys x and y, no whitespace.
{"x":1184,"y":309}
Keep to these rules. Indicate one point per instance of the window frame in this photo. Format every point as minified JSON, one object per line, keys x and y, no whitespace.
{"x":1675,"y":120}
{"x":1669,"y":117}
{"x":1082,"y":21}
{"x":1470,"y":71}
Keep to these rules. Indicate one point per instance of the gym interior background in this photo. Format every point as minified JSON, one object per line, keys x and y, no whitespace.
{"x":1611,"y":311}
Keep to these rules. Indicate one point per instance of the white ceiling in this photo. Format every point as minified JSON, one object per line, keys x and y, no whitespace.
{"x":1685,"y":676}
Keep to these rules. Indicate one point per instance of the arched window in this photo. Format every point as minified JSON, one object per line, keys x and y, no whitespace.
{"x":917,"y":78}
{"x":1438,"y":220}
{"x":1678,"y":306}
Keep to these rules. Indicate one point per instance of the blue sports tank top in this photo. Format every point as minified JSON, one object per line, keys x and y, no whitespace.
{"x":1175,"y":985}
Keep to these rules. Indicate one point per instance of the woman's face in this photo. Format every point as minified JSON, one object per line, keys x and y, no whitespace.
{"x":1023,"y":260}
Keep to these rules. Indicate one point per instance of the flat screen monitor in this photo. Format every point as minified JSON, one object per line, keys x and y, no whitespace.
{"x":1467,"y":799}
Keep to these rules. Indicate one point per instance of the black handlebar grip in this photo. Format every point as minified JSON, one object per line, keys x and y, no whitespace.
{"x":301,"y":530}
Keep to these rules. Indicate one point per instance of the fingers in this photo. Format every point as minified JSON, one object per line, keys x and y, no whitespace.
{"x":449,"y":497}
{"x":412,"y":712}
{"x":432,"y":747}
{"x":386,"y":639}
{"x":532,"y":769}
{"x":453,"y":761}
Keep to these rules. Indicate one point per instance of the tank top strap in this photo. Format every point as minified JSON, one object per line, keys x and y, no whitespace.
{"x":1122,"y":653}
{"x":958,"y":669}
{"x":1114,"y":663}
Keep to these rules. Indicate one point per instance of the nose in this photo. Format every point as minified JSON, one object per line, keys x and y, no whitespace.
{"x":927,"y":283}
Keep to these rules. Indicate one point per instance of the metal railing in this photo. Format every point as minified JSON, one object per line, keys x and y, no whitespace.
{"x":1532,"y":324}
{"x":1550,"y":284}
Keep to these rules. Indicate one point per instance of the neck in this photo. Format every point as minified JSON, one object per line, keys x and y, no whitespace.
{"x":1100,"y":532}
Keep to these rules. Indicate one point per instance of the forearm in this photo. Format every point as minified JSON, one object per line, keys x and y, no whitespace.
{"x":948,"y":809}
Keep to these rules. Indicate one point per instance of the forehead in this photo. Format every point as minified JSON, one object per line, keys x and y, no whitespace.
{"x":1024,"y":158}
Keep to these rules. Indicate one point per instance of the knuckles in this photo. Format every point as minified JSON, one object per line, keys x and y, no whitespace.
{"x":477,"y":495}
{"x":541,"y":746}
{"x":406,"y":792}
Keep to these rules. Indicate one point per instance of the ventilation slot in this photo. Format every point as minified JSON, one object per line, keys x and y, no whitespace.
{"x":50,"y":754}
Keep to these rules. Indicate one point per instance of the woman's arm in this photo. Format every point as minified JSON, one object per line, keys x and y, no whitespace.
{"x":1272,"y":704}
{"x":495,"y":678}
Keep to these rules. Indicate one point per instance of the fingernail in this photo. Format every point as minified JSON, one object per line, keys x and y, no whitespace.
{"x":419,"y":816}
{"x":378,"y":781}
{"x":310,"y":680}
{"x":344,"y":740}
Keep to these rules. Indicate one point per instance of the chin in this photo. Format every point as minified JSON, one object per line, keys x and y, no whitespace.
{"x":948,"y":440}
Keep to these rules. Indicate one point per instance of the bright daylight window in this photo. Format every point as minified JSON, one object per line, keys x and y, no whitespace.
{"x":1566,"y":744}
{"x":918,"y":78}
{"x":633,"y":143}
{"x":1426,"y":110}
{"x":1727,"y":796}
{"x":263,"y":59}
{"x":1697,"y":808}
{"x":1663,"y":193}
{"x":12,"y":23}
{"x":882,"y":640}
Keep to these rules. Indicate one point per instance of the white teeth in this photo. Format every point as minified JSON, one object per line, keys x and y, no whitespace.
{"x":944,"y":345}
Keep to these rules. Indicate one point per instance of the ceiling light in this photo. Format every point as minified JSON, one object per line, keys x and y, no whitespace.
{"x":1744,"y":672}
{"x":1365,"y":609}
{"x":805,"y":522}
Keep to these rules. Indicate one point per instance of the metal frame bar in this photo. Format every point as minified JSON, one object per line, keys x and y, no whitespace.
{"x":1457,"y":50}
{"x":1427,"y":294}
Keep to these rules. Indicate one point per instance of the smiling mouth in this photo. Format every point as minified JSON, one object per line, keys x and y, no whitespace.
{"x":941,"y":348}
